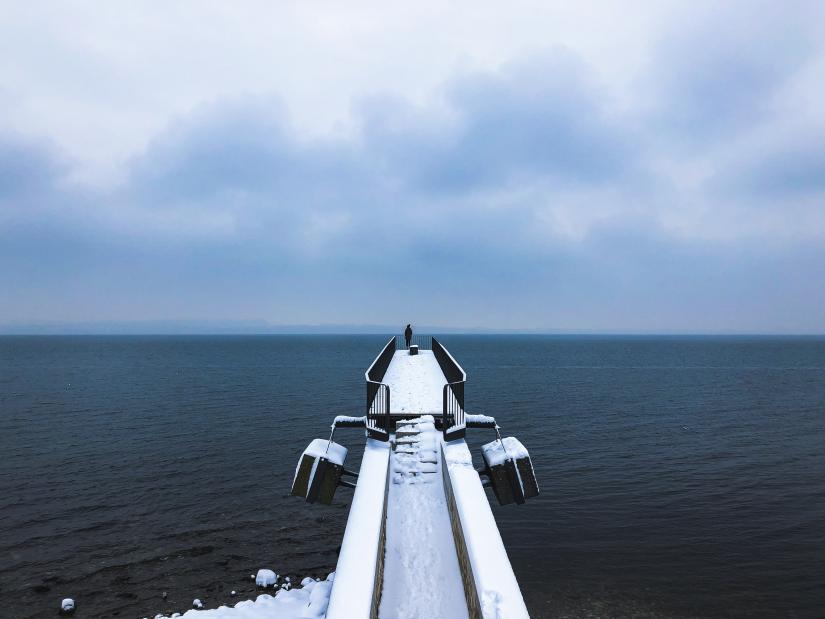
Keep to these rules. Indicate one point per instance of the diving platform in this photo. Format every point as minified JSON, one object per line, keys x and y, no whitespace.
{"x":421,"y":540}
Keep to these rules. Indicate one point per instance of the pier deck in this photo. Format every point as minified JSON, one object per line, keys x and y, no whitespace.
{"x":421,"y":541}
{"x":416,"y":383}
{"x":422,"y":576}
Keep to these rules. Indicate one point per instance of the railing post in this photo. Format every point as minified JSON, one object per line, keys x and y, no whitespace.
{"x":388,"y":412}
{"x":444,"y":411}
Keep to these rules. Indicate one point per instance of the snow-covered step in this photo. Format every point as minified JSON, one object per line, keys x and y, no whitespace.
{"x":422,"y":577}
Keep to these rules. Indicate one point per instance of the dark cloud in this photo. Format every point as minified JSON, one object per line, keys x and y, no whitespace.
{"x":533,"y":119}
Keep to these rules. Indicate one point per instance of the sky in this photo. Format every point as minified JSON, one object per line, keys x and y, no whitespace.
{"x":553,"y":166}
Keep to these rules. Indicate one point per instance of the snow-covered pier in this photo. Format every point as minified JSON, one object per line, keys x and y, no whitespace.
{"x":421,"y":540}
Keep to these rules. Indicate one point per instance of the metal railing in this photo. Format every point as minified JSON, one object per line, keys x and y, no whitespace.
{"x":378,"y":410}
{"x":378,"y":394}
{"x":453,"y":418}
{"x":424,"y":342}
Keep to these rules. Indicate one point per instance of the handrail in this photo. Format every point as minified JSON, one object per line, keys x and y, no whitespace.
{"x":452,"y":370}
{"x":378,"y":410}
{"x":453,"y":421}
{"x":453,"y":418}
{"x":424,"y":342}
{"x":378,"y":394}
{"x":379,"y":367}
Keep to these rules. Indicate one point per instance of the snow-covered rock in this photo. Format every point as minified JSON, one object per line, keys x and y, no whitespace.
{"x":196,"y":603}
{"x":266,"y":578}
{"x":318,"y":600}
{"x":67,"y":606}
{"x":309,"y":602}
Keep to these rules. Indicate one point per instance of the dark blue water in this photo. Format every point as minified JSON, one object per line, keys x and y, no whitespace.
{"x":680,"y":477}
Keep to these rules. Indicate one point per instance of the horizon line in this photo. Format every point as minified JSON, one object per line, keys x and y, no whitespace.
{"x":260,"y":328}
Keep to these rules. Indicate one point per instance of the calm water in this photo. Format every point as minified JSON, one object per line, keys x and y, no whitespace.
{"x":681,"y":477}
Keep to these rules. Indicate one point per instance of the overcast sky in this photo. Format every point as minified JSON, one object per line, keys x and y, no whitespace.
{"x":641,"y":166}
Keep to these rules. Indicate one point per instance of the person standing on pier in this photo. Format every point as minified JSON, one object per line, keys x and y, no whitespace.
{"x":408,"y":335}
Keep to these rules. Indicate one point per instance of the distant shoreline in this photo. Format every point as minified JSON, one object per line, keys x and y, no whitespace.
{"x":182,"y":331}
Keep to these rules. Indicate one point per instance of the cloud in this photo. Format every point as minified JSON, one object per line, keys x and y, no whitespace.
{"x":27,"y":169}
{"x":525,"y":194}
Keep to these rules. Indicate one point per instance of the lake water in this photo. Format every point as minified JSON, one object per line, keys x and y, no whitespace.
{"x":680,"y":476}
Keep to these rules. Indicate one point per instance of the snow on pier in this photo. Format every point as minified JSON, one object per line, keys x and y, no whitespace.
{"x":416,"y":383}
{"x":437,"y":551}
{"x":422,"y":577}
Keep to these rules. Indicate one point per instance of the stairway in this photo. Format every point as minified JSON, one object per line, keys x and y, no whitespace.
{"x":422,"y":578}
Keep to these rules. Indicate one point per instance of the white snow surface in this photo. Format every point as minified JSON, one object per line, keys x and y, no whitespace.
{"x":479,"y":418}
{"x":416,"y":383}
{"x":307,"y":602}
{"x":352,"y":592}
{"x":318,"y":448}
{"x":348,"y":419}
{"x":495,"y":453}
{"x":265,"y":578}
{"x":422,"y":578}
{"x":496,"y":584}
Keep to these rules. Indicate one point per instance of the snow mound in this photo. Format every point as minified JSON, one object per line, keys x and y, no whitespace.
{"x":308,"y":602}
{"x":265,"y":578}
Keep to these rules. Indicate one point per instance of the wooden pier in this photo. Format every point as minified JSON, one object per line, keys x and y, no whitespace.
{"x":421,"y":540}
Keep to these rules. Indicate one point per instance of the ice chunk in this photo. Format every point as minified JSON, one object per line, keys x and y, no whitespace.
{"x":265,"y":578}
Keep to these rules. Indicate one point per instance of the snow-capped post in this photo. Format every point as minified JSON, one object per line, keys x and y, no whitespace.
{"x":319,"y":471}
{"x":67,"y":606}
{"x":510,"y":470}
